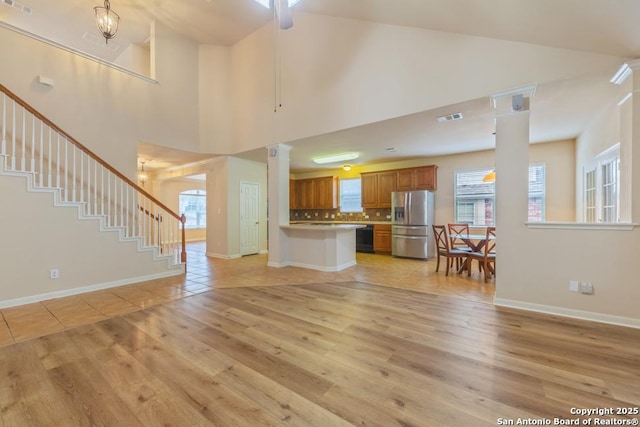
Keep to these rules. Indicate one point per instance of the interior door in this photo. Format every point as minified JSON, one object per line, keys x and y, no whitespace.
{"x":249,"y":218}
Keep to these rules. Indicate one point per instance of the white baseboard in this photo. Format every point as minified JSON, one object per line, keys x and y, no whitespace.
{"x":567,"y":312}
{"x":277,"y":264}
{"x":222,"y":256}
{"x":321,"y":268}
{"x":91,"y":288}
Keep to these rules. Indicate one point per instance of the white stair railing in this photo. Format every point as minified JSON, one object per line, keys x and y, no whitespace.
{"x":32,"y":144}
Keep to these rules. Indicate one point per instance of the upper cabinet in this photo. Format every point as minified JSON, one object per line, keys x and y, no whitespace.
{"x":314,"y":193}
{"x":420,"y":178}
{"x":292,"y":194}
{"x":326,"y":193}
{"x":377,"y":188}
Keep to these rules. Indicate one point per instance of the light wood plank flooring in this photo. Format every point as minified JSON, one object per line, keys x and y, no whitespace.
{"x":238,"y":344}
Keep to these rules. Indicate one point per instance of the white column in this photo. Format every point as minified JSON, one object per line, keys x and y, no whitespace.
{"x":278,"y":199}
{"x":512,"y":175}
{"x":628,"y":77}
{"x":630,"y":153}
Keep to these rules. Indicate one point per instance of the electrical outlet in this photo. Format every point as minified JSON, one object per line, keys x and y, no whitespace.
{"x":574,"y":286}
{"x":54,"y":273}
{"x":587,"y":288}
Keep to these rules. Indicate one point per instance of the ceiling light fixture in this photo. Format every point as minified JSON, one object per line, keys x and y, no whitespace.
{"x":142,"y":177}
{"x":267,"y":3}
{"x":107,"y":21}
{"x":346,"y":167}
{"x":335,"y":158}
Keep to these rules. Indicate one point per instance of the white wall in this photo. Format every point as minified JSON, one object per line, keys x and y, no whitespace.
{"x":241,"y":170}
{"x":215,"y":99}
{"x":340,"y":73}
{"x":105,"y":109}
{"x":223,"y":204}
{"x":84,"y":256}
{"x":168,"y":192}
{"x":549,"y":258}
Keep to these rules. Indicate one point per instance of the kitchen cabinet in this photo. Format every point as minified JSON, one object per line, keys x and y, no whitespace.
{"x":292,"y":194}
{"x":304,"y":193}
{"x":316,"y":193}
{"x":325,"y":193}
{"x":382,"y":239}
{"x":377,"y":188}
{"x":420,"y":178}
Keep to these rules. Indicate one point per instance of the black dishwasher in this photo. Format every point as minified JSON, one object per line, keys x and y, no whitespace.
{"x":364,"y":239}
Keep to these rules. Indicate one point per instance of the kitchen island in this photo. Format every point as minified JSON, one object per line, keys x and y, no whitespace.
{"x":324,"y":247}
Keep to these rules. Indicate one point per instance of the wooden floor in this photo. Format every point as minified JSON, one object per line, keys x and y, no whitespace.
{"x":247,"y":345}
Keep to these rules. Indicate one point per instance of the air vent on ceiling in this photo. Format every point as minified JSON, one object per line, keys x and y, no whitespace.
{"x":99,"y":41}
{"x":22,"y":7}
{"x":449,"y":117}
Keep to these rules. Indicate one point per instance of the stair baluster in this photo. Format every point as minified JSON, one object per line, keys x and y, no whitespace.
{"x":55,"y":161}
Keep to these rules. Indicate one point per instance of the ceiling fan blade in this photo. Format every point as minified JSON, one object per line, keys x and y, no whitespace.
{"x":284,"y":14}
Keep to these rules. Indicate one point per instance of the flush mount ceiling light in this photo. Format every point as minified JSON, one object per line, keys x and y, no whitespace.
{"x":335,"y":158}
{"x":346,"y":167}
{"x":107,"y":21}
{"x":267,"y":3}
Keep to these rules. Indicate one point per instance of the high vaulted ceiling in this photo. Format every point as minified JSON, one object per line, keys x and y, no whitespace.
{"x":599,"y":26}
{"x":602,"y":26}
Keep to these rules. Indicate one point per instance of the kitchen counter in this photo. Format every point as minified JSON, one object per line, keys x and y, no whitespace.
{"x":320,"y":246}
{"x":342,"y":222}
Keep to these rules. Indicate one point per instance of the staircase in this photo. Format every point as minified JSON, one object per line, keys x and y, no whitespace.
{"x":53,"y":162}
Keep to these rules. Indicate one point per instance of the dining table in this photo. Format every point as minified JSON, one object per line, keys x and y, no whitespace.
{"x":475,"y":242}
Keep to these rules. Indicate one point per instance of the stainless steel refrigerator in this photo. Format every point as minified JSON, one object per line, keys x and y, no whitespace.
{"x":412,"y":216}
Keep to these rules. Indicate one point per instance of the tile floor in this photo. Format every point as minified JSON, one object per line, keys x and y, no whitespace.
{"x":33,"y":320}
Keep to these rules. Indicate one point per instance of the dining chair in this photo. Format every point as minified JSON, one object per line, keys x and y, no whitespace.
{"x":456,"y":232}
{"x":443,"y":245}
{"x":487,"y":256}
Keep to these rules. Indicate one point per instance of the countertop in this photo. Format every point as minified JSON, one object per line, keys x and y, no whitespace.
{"x":316,"y":226}
{"x":341,"y":222}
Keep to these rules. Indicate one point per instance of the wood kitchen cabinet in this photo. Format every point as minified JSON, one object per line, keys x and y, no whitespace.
{"x":382,"y":239}
{"x":304,"y":193}
{"x":292,"y":194}
{"x":377,"y":188}
{"x":325,"y":193}
{"x":315,"y":193}
{"x":420,"y":178}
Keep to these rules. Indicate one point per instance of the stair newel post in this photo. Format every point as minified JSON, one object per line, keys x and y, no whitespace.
{"x":4,"y":123}
{"x":183,"y":255}
{"x":13,"y":138}
{"x":32,"y":163}
{"x":41,"y":159}
{"x":49,"y":161}
{"x":24,"y":141}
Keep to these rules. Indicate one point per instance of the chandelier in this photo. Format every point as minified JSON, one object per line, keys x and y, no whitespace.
{"x":107,"y":21}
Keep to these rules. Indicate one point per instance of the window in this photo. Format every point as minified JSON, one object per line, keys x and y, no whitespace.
{"x":475,"y":199}
{"x":602,"y":187}
{"x":350,"y":195}
{"x":193,"y":204}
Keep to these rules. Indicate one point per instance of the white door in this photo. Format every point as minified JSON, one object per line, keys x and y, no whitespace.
{"x":249,"y":218}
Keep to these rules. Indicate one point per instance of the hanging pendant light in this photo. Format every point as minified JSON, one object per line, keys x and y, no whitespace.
{"x":107,"y":21}
{"x":142,"y":176}
{"x":490,"y":177}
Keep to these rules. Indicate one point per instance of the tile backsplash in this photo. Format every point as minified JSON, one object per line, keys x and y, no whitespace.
{"x":377,"y":214}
